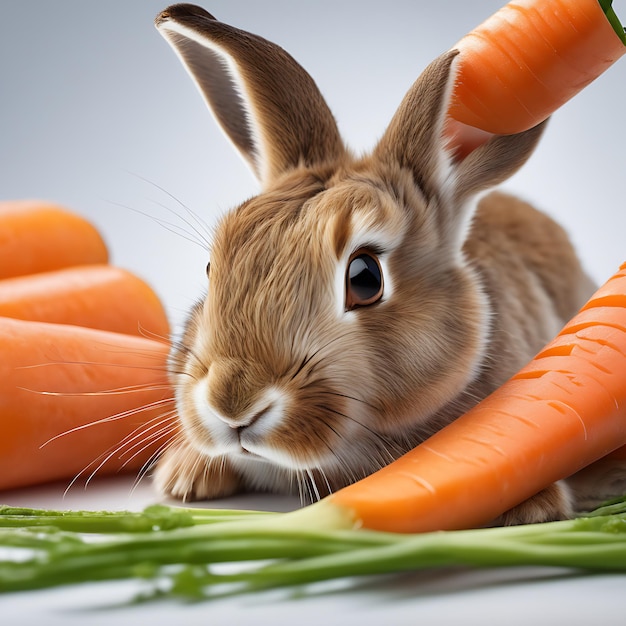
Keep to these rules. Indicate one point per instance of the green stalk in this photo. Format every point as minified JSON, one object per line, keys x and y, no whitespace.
{"x":153,"y":518}
{"x":577,"y":544}
{"x":63,"y":557}
{"x":589,"y":551}
{"x":614,"y":21}
{"x":181,"y":561}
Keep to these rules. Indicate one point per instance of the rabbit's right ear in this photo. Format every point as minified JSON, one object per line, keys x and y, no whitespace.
{"x":416,"y":141}
{"x":266,"y":103}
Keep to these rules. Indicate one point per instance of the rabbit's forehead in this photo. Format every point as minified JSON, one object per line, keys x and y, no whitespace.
{"x":326,"y":224}
{"x":361,"y":215}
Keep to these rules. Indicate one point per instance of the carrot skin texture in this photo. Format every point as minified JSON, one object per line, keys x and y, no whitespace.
{"x":563,"y":411}
{"x":96,"y":296}
{"x":528,"y":59}
{"x":37,"y":236}
{"x":80,"y":365}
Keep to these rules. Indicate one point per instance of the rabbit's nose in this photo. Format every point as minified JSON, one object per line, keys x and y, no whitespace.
{"x":243,"y":419}
{"x":229,"y":390}
{"x":248,"y":419}
{"x":238,"y":397}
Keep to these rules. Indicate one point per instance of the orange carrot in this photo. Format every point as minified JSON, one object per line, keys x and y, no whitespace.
{"x":87,"y":383}
{"x":37,"y":236}
{"x":98,"y":296}
{"x":531,"y":57}
{"x":562,"y":412}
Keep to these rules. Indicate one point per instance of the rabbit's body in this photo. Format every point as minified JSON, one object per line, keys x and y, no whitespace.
{"x":515,"y":246}
{"x":356,"y":305}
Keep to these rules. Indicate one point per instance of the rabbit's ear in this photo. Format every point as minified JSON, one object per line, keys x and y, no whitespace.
{"x":495,"y":161}
{"x":415,"y":139}
{"x":266,"y":103}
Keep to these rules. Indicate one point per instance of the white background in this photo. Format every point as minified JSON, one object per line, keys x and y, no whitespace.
{"x":98,"y":114}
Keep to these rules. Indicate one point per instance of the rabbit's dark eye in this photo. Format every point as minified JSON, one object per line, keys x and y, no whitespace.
{"x":364,"y":279}
{"x":208,"y":268}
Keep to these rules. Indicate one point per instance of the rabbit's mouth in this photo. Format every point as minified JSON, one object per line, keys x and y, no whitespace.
{"x":248,"y":454}
{"x":252,"y":435}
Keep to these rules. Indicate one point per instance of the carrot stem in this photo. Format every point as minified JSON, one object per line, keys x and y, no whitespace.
{"x":153,"y":518}
{"x":614,"y":21}
{"x":180,"y":561}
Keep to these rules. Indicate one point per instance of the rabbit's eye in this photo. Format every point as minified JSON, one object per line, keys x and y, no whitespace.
{"x":208,"y":268}
{"x":364,"y":280}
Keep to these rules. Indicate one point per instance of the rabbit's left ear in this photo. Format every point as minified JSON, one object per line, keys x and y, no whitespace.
{"x":266,"y":103}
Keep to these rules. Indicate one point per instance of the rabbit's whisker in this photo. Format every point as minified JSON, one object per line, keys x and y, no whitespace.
{"x":379,"y":437}
{"x":104,"y":392}
{"x":189,"y":351}
{"x":330,"y":392}
{"x":194,"y":236}
{"x":101,"y":459}
{"x":165,"y":434}
{"x":50,"y":363}
{"x":146,"y":435}
{"x":313,"y":484}
{"x":112,"y":418}
{"x":201,"y":227}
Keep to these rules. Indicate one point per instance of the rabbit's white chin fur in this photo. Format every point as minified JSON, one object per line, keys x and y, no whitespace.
{"x":294,"y":374}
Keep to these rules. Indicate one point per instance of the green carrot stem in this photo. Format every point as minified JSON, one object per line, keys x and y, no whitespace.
{"x":184,"y":557}
{"x":153,"y":518}
{"x":614,"y":21}
{"x":546,"y":545}
{"x":64,"y":558}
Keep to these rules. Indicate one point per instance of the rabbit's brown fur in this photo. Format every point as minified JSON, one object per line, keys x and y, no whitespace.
{"x":282,"y":386}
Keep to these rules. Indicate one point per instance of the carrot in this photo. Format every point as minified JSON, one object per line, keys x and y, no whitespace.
{"x":90,"y":384}
{"x":529,"y":58}
{"x":37,"y":236}
{"x":98,"y":296}
{"x":563,"y":411}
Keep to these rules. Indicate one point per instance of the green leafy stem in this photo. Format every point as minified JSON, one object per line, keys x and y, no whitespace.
{"x":183,"y":551}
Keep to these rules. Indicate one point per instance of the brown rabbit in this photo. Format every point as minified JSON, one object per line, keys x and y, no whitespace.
{"x":356,"y":305}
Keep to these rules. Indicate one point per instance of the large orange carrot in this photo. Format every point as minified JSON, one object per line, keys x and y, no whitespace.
{"x":89,"y":384}
{"x":98,"y":296}
{"x":37,"y":236}
{"x":562,"y":412}
{"x":531,"y":57}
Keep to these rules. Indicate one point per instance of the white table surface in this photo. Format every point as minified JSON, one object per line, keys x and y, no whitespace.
{"x":96,"y":113}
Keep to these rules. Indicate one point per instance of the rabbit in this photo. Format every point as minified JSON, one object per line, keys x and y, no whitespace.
{"x":358,"y":304}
